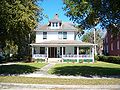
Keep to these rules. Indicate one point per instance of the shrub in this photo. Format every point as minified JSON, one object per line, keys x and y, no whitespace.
{"x":96,"y":58}
{"x":110,"y":59}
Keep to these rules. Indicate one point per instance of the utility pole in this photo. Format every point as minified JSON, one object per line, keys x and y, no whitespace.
{"x":95,"y":42}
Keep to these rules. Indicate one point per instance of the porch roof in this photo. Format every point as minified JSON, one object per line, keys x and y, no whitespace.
{"x":62,"y":43}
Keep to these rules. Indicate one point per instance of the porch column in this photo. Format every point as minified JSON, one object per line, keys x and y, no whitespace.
{"x":62,"y":52}
{"x":32,"y":51}
{"x":77,"y":54}
{"x":93,"y":54}
{"x":47,"y":52}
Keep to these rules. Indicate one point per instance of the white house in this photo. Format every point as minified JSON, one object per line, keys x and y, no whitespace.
{"x":56,"y":41}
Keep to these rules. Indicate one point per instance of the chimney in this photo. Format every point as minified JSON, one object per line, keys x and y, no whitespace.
{"x":56,"y":16}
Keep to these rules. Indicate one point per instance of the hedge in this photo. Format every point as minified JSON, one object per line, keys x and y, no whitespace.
{"x":110,"y":59}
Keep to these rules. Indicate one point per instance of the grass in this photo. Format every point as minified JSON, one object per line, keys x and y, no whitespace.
{"x":36,"y":65}
{"x":86,"y":69}
{"x":20,"y":68}
{"x":60,"y":81}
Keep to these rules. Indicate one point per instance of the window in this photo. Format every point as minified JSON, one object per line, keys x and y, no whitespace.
{"x":75,"y":50}
{"x":118,"y":44}
{"x":53,"y":24}
{"x":106,"y":39}
{"x":44,"y":35}
{"x":56,"y":24}
{"x":42,"y":50}
{"x":59,"y":35}
{"x":111,"y":46}
{"x":64,"y":35}
{"x":107,"y":48}
{"x":111,"y":36}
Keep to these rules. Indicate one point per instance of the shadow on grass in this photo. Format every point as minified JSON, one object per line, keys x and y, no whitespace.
{"x":87,"y":71}
{"x":16,"y":69}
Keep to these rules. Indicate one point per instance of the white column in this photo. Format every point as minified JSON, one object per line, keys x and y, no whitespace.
{"x":93,"y":54}
{"x":62,"y":52}
{"x":78,"y":54}
{"x":32,"y":51}
{"x":47,"y":52}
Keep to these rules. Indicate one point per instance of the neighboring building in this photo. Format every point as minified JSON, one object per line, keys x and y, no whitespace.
{"x":57,"y":40}
{"x":111,"y":44}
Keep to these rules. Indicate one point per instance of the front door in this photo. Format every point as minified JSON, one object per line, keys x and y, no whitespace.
{"x":52,"y":52}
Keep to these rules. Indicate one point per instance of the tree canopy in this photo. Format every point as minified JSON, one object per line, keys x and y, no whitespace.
{"x":88,"y":13}
{"x":89,"y":37}
{"x":17,"y":20}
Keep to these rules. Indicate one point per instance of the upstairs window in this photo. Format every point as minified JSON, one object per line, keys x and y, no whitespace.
{"x":59,"y":35}
{"x":64,"y":35}
{"x":44,"y":35}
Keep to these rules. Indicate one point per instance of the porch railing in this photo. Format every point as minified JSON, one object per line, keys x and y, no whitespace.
{"x":40,"y":55}
{"x":80,"y":56}
{"x":64,"y":56}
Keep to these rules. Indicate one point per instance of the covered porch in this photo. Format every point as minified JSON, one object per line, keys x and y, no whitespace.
{"x":66,"y":52}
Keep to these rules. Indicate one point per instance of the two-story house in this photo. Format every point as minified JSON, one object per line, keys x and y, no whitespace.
{"x":57,"y":40}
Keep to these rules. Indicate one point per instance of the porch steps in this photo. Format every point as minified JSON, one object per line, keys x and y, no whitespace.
{"x":54,"y":60}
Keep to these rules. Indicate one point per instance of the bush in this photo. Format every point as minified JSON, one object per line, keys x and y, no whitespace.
{"x":96,"y":58}
{"x":110,"y":59}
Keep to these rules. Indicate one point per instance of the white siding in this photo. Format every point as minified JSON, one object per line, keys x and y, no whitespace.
{"x":52,"y":36}
{"x":70,"y":35}
{"x":39,"y":37}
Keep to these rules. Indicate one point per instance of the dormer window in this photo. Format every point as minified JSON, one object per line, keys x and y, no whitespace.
{"x":53,"y":24}
{"x":56,"y":24}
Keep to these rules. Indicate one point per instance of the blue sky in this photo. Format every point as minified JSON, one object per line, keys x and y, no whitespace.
{"x":52,"y":7}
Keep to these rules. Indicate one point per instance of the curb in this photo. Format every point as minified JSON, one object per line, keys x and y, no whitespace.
{"x":47,"y":86}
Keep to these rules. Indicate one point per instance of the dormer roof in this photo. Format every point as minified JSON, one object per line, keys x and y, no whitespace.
{"x":55,"y":19}
{"x":66,"y":26}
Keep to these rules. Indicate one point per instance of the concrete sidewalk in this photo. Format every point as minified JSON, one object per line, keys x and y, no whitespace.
{"x":43,"y":72}
{"x":16,"y":86}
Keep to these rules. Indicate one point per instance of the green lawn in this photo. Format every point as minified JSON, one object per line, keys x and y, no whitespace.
{"x":86,"y":69}
{"x":60,"y":81}
{"x":20,"y":68}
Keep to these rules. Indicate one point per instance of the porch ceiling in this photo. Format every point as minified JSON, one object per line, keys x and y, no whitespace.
{"x":62,"y":43}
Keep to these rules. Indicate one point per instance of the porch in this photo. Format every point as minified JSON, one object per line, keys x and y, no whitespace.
{"x":64,"y":50}
{"x":64,"y":54}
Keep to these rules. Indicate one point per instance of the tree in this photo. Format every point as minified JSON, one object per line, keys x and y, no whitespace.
{"x":89,"y":37}
{"x":88,"y":13}
{"x":17,"y":20}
